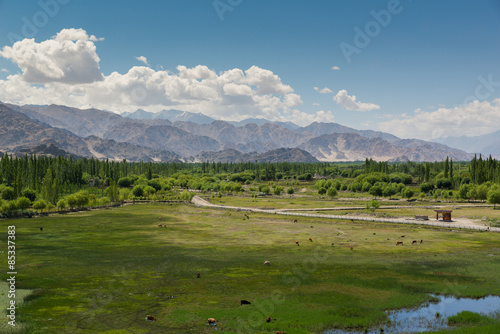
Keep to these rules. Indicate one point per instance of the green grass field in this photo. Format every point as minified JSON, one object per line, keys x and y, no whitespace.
{"x":104,"y":271}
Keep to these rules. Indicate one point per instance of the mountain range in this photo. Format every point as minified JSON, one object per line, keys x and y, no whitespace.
{"x":486,"y":144}
{"x":174,"y":135}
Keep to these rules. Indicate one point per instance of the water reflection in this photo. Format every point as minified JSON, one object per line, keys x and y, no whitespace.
{"x":425,"y":317}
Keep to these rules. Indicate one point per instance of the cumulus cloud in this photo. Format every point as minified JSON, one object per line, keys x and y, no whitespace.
{"x":143,"y":60}
{"x":316,"y":104}
{"x":350,"y":103}
{"x":335,"y":68}
{"x":4,"y":70}
{"x":65,"y":70}
{"x":325,"y":90}
{"x":69,"y":57}
{"x":472,"y":119}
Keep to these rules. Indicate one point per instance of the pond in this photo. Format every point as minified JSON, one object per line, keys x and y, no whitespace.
{"x":424,"y":317}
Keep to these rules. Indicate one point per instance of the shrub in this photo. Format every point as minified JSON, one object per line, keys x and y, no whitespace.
{"x":61,"y":204}
{"x":372,"y":205}
{"x":30,"y":194}
{"x":23,"y":203}
{"x":125,"y":182}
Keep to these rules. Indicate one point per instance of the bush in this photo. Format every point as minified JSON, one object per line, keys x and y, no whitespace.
{"x":372,"y":205}
{"x":426,"y":187}
{"x":331,"y":192}
{"x":187,"y":195}
{"x":138,"y":191}
{"x":7,"y":193}
{"x":376,"y":191}
{"x":30,"y":194}
{"x":444,"y":183}
{"x":290,"y":191}
{"x":125,"y":182}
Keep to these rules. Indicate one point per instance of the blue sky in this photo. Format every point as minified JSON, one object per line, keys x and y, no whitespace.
{"x":416,"y":72}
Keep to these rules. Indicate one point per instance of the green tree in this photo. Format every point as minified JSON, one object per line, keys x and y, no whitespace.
{"x":8,"y":193}
{"x":494,"y":197}
{"x":331,"y":192}
{"x":290,"y":191}
{"x":138,"y":191}
{"x":50,"y":187}
{"x":278,"y":190}
{"x":29,"y":193}
{"x":23,"y":203}
{"x":482,"y":192}
{"x":408,"y":193}
{"x":40,"y":205}
{"x":112,"y":192}
{"x":61,"y":204}
{"x":376,"y":191}
{"x":372,"y":205}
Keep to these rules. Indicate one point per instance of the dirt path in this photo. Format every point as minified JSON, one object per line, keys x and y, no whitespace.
{"x":457,"y":223}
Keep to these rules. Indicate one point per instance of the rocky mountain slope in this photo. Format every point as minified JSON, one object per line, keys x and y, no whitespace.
{"x":103,"y":134}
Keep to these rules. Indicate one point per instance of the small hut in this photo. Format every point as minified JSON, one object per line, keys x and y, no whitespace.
{"x":446,"y":214}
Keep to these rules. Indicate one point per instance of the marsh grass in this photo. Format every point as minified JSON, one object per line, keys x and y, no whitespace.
{"x":104,"y":271}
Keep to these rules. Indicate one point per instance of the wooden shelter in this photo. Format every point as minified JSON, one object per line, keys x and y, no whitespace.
{"x":446,"y":214}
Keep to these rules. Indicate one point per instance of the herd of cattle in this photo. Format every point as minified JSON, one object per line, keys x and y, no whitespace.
{"x":212,"y":321}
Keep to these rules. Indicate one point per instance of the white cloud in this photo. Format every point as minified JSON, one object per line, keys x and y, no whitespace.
{"x":69,"y":57}
{"x":75,"y":35}
{"x":4,"y":70}
{"x":325,"y":90}
{"x":335,"y":68}
{"x":473,"y":119}
{"x":142,"y":59}
{"x":65,"y":70}
{"x":316,"y":104}
{"x":350,"y":103}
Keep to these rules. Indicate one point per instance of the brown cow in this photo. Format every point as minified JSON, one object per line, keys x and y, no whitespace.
{"x":268,"y":319}
{"x":267,"y":263}
{"x":211,"y":321}
{"x":198,"y":275}
{"x":160,"y":225}
{"x":414,"y":242}
{"x":150,"y":318}
{"x":352,"y":248}
{"x":311,"y":240}
{"x":402,"y":236}
{"x":399,"y":243}
{"x":297,"y":243}
{"x":333,"y":244}
{"x":421,"y":241}
{"x":295,"y":221}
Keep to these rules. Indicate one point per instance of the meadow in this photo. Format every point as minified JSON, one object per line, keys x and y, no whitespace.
{"x":103,"y":271}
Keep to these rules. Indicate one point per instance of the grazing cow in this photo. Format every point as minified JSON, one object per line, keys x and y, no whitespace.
{"x":41,"y":229}
{"x":297,"y":243}
{"x":352,"y":220}
{"x":333,"y":244}
{"x":295,"y":221}
{"x":150,"y":318}
{"x":245,"y":302}
{"x":267,"y":263}
{"x":247,"y":216}
{"x":311,"y":240}
{"x":414,"y":242}
{"x":421,"y":241}
{"x":399,"y":243}
{"x":402,"y":236}
{"x":268,"y":319}
{"x":352,"y":248}
{"x":198,"y":275}
{"x":211,"y":321}
{"x":160,"y":225}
